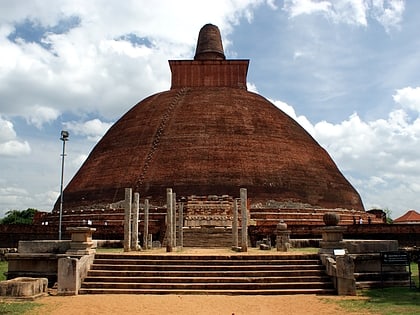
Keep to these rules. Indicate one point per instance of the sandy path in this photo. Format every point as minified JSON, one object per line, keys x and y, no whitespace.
{"x":189,"y":304}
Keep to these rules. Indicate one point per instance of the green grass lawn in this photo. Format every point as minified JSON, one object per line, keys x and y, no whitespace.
{"x":17,"y":308}
{"x":415,"y":274}
{"x":388,"y":301}
{"x":3,"y":269}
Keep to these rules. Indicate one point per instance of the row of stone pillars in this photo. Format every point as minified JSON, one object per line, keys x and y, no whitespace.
{"x":131,"y":219}
{"x":171,"y":232}
{"x":131,"y":222}
{"x":171,"y":224}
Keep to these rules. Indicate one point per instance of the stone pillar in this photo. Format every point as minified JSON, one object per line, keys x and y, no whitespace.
{"x":70,"y":273}
{"x":181,"y":224}
{"x":146,"y":225}
{"x":346,"y":283}
{"x":135,"y":223}
{"x":169,"y":217}
{"x":127,"y":219}
{"x":68,"y":276}
{"x":244,"y":212}
{"x":235,"y":242}
{"x":150,"y":241}
{"x":282,"y":237}
{"x":174,"y":219}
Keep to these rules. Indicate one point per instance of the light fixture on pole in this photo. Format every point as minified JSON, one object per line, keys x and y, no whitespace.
{"x":64,"y":137}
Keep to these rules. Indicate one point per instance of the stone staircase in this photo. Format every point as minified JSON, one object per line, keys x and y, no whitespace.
{"x":234,"y":274}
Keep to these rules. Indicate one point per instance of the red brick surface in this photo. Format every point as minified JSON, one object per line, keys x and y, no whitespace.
{"x":212,"y":140}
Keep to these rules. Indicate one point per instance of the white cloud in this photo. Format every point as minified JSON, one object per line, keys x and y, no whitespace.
{"x":387,"y":12}
{"x":38,"y":115}
{"x":299,"y":7}
{"x":78,"y":160}
{"x":7,"y":131}
{"x":9,"y":197}
{"x":408,"y":97}
{"x":93,"y":129}
{"x":9,"y":144}
{"x":14,"y":148}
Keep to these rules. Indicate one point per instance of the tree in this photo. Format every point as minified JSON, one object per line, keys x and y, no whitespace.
{"x":388,"y":215}
{"x":19,"y":217}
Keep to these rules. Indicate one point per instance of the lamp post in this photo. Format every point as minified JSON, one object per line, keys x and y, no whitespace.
{"x":64,"y":137}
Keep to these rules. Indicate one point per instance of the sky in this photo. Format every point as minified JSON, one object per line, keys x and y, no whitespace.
{"x":347,"y":71}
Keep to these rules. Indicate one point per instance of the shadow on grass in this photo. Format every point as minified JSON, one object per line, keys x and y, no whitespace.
{"x":386,"y":301}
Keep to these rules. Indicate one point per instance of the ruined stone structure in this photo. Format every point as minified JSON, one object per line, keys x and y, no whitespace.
{"x":206,"y":138}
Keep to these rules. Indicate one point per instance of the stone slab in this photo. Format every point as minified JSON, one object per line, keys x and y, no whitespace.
{"x":24,"y":288}
{"x":44,"y":246}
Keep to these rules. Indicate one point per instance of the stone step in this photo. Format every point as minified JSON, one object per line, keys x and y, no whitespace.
{"x":208,"y":286}
{"x":204,"y":279}
{"x":380,"y":284}
{"x":225,"y":268}
{"x":387,"y":279}
{"x":377,"y":276}
{"x":206,"y":262}
{"x":233,"y":257}
{"x":206,"y":274}
{"x":329,"y":291}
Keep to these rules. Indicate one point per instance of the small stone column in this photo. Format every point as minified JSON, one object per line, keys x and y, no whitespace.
{"x":181,"y":224}
{"x":127,"y":219}
{"x":235,"y":241}
{"x":282,"y":237}
{"x":169,"y":217}
{"x":244,"y":213}
{"x":135,"y":223}
{"x":146,"y":225}
{"x":174,"y":219}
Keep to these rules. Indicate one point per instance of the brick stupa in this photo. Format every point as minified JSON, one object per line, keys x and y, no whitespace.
{"x":206,"y":136}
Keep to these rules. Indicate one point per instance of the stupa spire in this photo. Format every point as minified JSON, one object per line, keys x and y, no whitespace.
{"x":209,"y":44}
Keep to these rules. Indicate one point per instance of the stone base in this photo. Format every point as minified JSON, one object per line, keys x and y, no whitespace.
{"x":24,"y":288}
{"x":370,"y":246}
{"x":80,"y":252}
{"x":328,"y":247}
{"x":237,"y":249}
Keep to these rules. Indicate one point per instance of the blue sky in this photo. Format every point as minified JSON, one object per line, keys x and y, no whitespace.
{"x":347,"y":71}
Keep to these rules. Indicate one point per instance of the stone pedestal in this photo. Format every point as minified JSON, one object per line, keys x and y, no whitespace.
{"x":332,"y":238}
{"x":81,"y":241}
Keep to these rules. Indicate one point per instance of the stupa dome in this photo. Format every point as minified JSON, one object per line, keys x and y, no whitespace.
{"x":208,"y":135}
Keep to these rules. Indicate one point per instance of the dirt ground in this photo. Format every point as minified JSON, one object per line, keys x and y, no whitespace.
{"x":190,"y":304}
{"x":114,"y":304}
